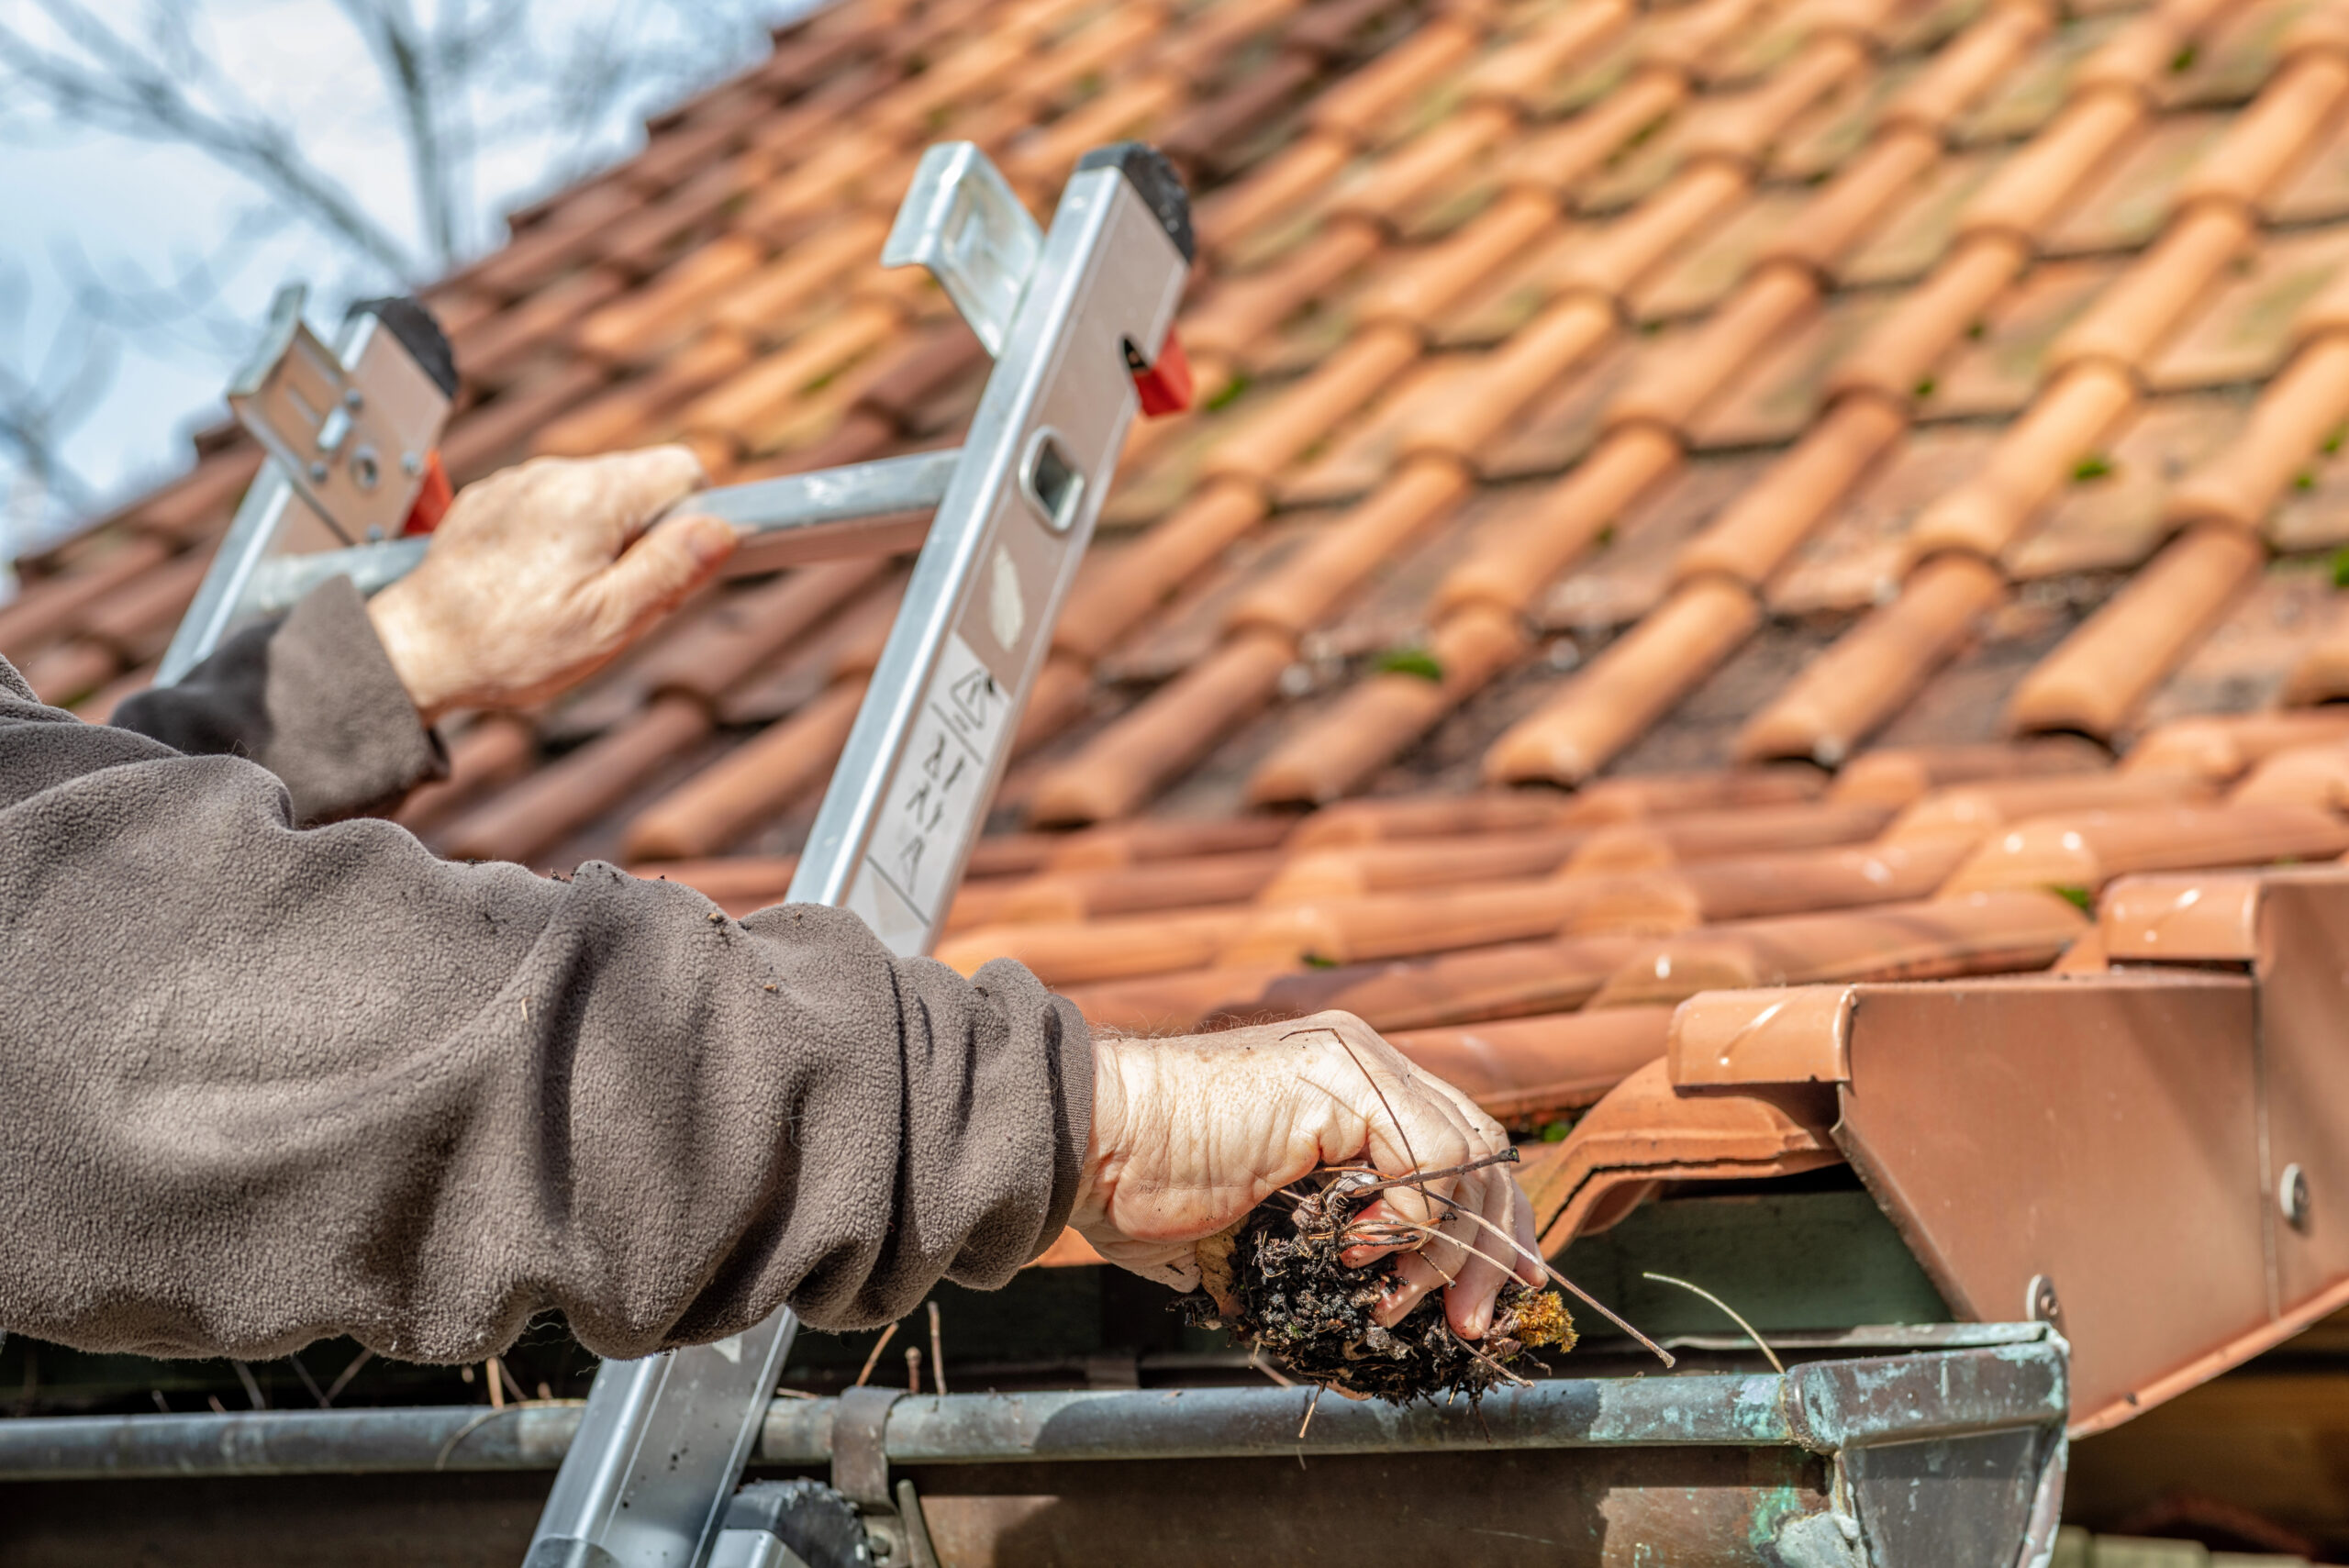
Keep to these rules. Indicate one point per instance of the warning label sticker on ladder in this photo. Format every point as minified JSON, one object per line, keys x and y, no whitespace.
{"x":939,"y":788}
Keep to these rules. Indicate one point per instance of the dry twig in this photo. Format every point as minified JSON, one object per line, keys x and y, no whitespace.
{"x":874,"y":1359}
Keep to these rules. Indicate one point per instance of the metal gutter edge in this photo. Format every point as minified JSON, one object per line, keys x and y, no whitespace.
{"x":1825,"y":1406}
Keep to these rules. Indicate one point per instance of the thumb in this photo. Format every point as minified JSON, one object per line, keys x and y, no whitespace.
{"x":641,"y":484}
{"x":653,"y":575}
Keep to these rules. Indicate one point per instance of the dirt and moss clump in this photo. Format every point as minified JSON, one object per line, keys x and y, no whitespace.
{"x":1274,"y":1282}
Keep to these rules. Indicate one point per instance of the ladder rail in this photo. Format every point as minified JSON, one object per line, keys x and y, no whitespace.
{"x":664,"y":1439}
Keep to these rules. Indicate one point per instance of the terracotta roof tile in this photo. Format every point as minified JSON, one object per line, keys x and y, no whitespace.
{"x":2119,"y":519}
{"x":1309,"y":585}
{"x":1510,"y":564}
{"x":50,"y":605}
{"x":2298,"y":412}
{"x":1645,"y":1133}
{"x":1974,"y":810}
{"x":1356,"y":109}
{"x":1675,"y":389}
{"x":1054,"y":894}
{"x":1239,"y":312}
{"x":1901,"y":353}
{"x":1512,"y":376}
{"x":1961,"y":72}
{"x":644,"y":403}
{"x":1684,"y":38}
{"x":726,"y":801}
{"x":1555,"y":159}
{"x":1527,"y":1069}
{"x":1632,"y":574}
{"x":2130,"y":322}
{"x":488,"y":436}
{"x":2266,"y":143}
{"x":1430,"y":283}
{"x":1518,"y":72}
{"x":2315,"y":775}
{"x":2089,"y":848}
{"x":489,"y":754}
{"x":2141,"y":52}
{"x":1439,"y":816}
{"x":556,"y":801}
{"x":2003,"y":361}
{"x":1968,"y":930}
{"x":1382,"y":714}
{"x":1129,"y":760}
{"x":1849,"y":692}
{"x":1754,"y":536}
{"x":2222,"y":747}
{"x":2094,"y":683}
{"x":1900,"y":775}
{"x":2039,"y":454}
{"x":1617,"y":256}
{"x":64,"y":672}
{"x":1743,"y":128}
{"x":1629,"y":686}
{"x":1305,"y":411}
{"x":138,"y":618}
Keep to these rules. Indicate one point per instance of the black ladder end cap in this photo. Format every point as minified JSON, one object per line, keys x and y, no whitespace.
{"x":1155,"y":180}
{"x":419,"y":333}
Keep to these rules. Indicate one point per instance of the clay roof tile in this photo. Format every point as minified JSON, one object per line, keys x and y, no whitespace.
{"x":1525,"y":1069}
{"x":1961,"y":72}
{"x":2028,"y":192}
{"x":2087,"y":849}
{"x":2094,"y":683}
{"x":1847,"y":693}
{"x":1374,"y":93}
{"x":1644,"y":1132}
{"x":1126,"y":763}
{"x":1627,"y":688}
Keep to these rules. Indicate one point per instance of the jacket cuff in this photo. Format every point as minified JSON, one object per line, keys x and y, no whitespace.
{"x":345,"y":736}
{"x":314,"y":700}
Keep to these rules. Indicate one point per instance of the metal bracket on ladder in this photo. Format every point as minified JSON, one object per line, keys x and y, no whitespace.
{"x":351,"y":432}
{"x":1079,"y":320}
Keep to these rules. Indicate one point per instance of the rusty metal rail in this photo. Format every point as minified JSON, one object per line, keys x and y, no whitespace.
{"x":1825,"y":1407}
{"x":1893,"y":1446}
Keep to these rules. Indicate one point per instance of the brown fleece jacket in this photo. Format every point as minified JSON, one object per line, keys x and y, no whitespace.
{"x":264,"y":1084}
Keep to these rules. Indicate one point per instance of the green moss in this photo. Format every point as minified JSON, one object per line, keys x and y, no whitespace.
{"x":1410,"y":662}
{"x":2078,"y":896}
{"x":1925,"y":388}
{"x":2093,"y":467}
{"x":2304,"y":479}
{"x":2183,"y":61}
{"x":2341,"y":568}
{"x":1231,"y":392}
{"x":1556,"y":1133}
{"x":2332,"y":441}
{"x":1317,"y":961}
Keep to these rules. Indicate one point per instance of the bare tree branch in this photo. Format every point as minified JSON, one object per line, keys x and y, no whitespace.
{"x":457,"y":82}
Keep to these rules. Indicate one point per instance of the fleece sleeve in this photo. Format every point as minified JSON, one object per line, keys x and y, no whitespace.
{"x":312,"y":696}
{"x":266,"y":1084}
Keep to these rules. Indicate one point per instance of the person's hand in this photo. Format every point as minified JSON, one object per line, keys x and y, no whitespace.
{"x":541,"y":573}
{"x":1190,"y":1134}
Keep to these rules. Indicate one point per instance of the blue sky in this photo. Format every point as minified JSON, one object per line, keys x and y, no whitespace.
{"x":76,"y":201}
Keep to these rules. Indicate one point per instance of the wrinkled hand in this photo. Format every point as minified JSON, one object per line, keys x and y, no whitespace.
{"x":1190,"y":1134}
{"x":541,"y":573}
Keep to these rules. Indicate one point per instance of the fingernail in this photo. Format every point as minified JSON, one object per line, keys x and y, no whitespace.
{"x":711,"y":541}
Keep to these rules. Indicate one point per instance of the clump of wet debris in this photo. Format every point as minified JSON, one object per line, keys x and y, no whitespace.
{"x":1274,"y":1282}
